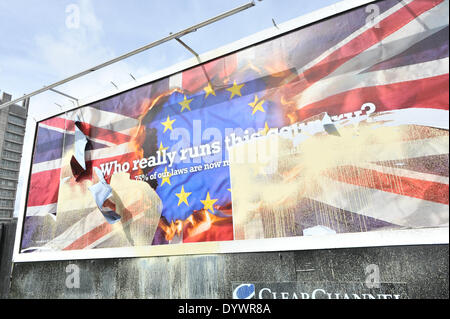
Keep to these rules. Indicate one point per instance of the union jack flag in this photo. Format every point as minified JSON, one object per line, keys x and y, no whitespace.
{"x":397,"y":60}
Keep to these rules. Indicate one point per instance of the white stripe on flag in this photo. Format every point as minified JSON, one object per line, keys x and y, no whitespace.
{"x":176,"y":81}
{"x":115,"y":230}
{"x":109,"y":120}
{"x":405,"y":173}
{"x":354,"y":35}
{"x":415,"y":31}
{"x":113,"y":151}
{"x":60,"y":130}
{"x":42,"y":210}
{"x":99,"y":154}
{"x":415,"y":116}
{"x":46,"y":166}
{"x":393,"y":208}
{"x":83,"y":226}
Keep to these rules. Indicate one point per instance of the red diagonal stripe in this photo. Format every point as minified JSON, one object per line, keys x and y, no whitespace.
{"x":362,"y":42}
{"x":406,"y":186}
{"x":103,"y":229}
{"x":370,"y":37}
{"x":424,"y":93}
{"x":89,"y":130}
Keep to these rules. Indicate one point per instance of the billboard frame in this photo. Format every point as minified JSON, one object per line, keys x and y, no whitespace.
{"x":398,"y":237}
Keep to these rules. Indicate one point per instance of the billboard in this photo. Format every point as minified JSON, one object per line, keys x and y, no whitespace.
{"x":332,"y":131}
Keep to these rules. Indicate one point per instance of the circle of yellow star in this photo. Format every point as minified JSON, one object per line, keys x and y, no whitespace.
{"x":257,"y":105}
{"x":165,"y":179}
{"x":182,"y":196}
{"x":208,"y":203}
{"x":185,"y":104}
{"x":168,"y":124}
{"x":235,"y":90}
{"x":161,"y":147}
{"x":209,"y":90}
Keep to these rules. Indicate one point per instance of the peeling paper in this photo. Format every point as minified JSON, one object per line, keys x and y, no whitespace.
{"x":103,"y":196}
{"x":77,"y":162}
{"x":78,"y":216}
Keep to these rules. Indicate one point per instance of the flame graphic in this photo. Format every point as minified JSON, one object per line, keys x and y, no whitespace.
{"x":199,"y":222}
{"x":138,"y":133}
{"x":277,"y":68}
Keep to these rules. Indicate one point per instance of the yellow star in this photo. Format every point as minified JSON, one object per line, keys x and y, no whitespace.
{"x":168,"y":124}
{"x":257,"y":105}
{"x":265,"y":129}
{"x":161,"y":147}
{"x":185,"y":104}
{"x":208,"y":203}
{"x":235,"y":89}
{"x":165,"y":179}
{"x":209,"y":90}
{"x":182,"y":196}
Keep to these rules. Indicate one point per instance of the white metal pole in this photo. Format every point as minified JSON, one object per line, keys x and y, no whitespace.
{"x":134,"y":52}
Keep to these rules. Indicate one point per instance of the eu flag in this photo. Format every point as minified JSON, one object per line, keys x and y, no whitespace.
{"x":204,"y":117}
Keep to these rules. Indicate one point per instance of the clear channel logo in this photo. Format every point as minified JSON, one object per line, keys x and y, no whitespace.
{"x":244,"y":291}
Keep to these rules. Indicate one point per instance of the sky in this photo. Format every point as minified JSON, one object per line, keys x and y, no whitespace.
{"x":45,"y":41}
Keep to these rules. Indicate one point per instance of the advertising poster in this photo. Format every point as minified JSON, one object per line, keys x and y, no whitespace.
{"x":340,"y":126}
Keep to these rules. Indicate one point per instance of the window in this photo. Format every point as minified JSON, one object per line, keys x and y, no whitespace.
{"x":11,"y":155}
{"x":14,"y":137}
{"x":16,"y":120}
{"x":5,"y":213}
{"x":16,"y":129}
{"x":9,"y":164}
{"x":6,"y":173}
{"x":13,"y":146}
{"x":6,"y":203}
{"x":4,"y":182}
{"x":6,"y":193}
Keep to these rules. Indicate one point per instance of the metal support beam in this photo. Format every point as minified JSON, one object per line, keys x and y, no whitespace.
{"x":114,"y":85}
{"x":64,"y":94}
{"x":189,"y":49}
{"x":274,"y":23}
{"x":198,"y":59}
{"x":134,"y":52}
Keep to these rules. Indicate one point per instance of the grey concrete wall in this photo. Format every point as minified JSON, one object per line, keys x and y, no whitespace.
{"x":7,"y":233}
{"x":422,"y":270}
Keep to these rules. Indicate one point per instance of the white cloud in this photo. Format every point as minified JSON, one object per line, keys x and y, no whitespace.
{"x":72,"y":49}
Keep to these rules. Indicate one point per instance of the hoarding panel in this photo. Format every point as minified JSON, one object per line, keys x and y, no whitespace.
{"x":335,"y":128}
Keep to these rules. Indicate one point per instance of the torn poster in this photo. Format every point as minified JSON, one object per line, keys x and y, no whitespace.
{"x":77,"y":162}
{"x":103,"y":196}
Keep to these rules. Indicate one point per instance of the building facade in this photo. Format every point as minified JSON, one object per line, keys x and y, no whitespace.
{"x":12,"y":131}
